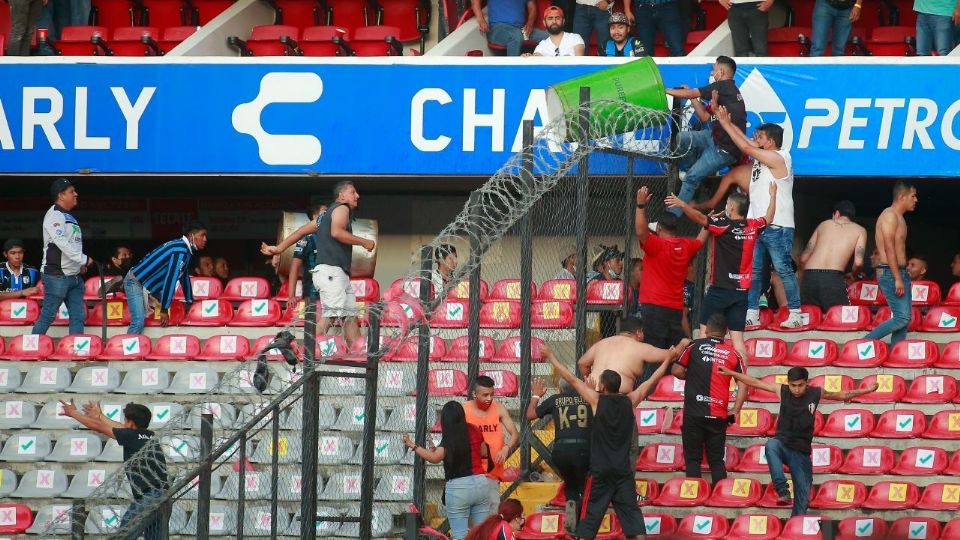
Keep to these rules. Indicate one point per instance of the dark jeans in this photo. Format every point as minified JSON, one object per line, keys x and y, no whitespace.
{"x":826,"y":20}
{"x":663,"y":17}
{"x":149,"y":528}
{"x":602,"y":490}
{"x":900,"y":306}
{"x":699,"y":434}
{"x":824,"y":288}
{"x":24,"y":15}
{"x":590,"y":19}
{"x":801,"y":471}
{"x":572,"y":459}
{"x":748,"y":27}
{"x":662,"y":328}
{"x":58,"y":290}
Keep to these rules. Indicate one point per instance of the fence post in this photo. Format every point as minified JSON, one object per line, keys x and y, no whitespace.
{"x":628,"y":219}
{"x":580,"y":223}
{"x":203,"y":492}
{"x":275,"y":471}
{"x":78,"y":518}
{"x":369,"y":425}
{"x":311,"y":421}
{"x":526,"y":300}
{"x":242,"y":481}
{"x":473,"y":323}
{"x":423,"y":367}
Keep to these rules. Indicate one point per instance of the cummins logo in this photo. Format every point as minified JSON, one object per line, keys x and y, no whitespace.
{"x":763,"y":106}
{"x":277,"y":149}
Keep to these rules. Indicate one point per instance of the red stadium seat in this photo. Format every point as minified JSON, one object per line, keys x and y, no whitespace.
{"x":564,"y":290}
{"x":165,"y":13}
{"x":647,"y":491}
{"x":861,"y":528}
{"x":839,"y":494}
{"x":754,"y":459}
{"x":943,"y":425}
{"x":205,"y":11}
{"x":921,"y":460}
{"x":887,"y":495}
{"x":446,"y":382}
{"x":509,"y":289}
{"x":376,"y":41}
{"x":951,"y":531}
{"x":225,"y":347}
{"x":683,"y":492}
{"x":651,"y":421}
{"x":694,"y":38}
{"x":77,"y":347}
{"x":891,"y":389}
{"x":462,"y":291}
{"x":258,"y":312}
{"x":868,"y":460}
{"x":713,"y":14}
{"x":19,"y":312}
{"x":284,"y":291}
{"x":762,"y":396}
{"x":802,"y":528}
{"x":834,"y":383}
{"x":669,"y":388}
{"x":949,"y":357}
{"x":605,"y":292}
{"x":848,"y":423}
{"x":953,"y":295}
{"x":735,"y":493}
{"x":865,"y":353}
{"x":914,"y":528}
{"x":175,"y":315}
{"x":244,"y":288}
{"x":410,"y":16}
{"x":883,"y":314}
{"x":113,"y":13}
{"x":273,"y":354}
{"x":126,"y":347}
{"x":91,"y":287}
{"x":331,"y":347}
{"x":500,"y":314}
{"x":505,"y":383}
{"x":542,"y":526}
{"x":459,"y":347}
{"x":812,"y":353}
{"x":766,"y":351}
{"x":358,"y":349}
{"x":912,"y":353}
{"x":118,"y":314}
{"x":826,"y":458}
{"x":865,"y":293}
{"x":660,"y":457}
{"x":133,"y":41}
{"x":510,"y":350}
{"x":175,"y":347}
{"x":408,"y":350}
{"x":402,"y":313}
{"x":811,"y":315}
{"x":931,"y":389}
{"x":406,"y":287}
{"x":323,"y":41}
{"x":212,"y":312}
{"x":893,"y":41}
{"x":29,"y":347}
{"x":924,"y":293}
{"x":299,"y":13}
{"x":78,"y":41}
{"x":203,"y":288}
{"x":766,"y":317}
{"x":789,"y":41}
{"x":15,"y":518}
{"x":900,"y":424}
{"x":451,"y":314}
{"x":551,"y":314}
{"x":769,"y":499}
{"x":703,"y":526}
{"x":349,"y":13}
{"x":846,"y":319}
{"x":295,"y":315}
{"x":941,"y":319}
{"x":953,"y":466}
{"x":365,"y":289}
{"x":754,"y":527}
{"x":751,"y":423}
{"x":659,"y":525}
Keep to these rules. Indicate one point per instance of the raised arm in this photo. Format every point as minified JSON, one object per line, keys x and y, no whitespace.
{"x":738,"y":176}
{"x":672,"y":201}
{"x":640,"y":224}
{"x":94,"y":420}
{"x":656,"y":355}
{"x":847,"y":395}
{"x":538,"y":389}
{"x":588,"y":394}
{"x":645,"y":388}
{"x":750,"y":381}
{"x":769,"y":158}
{"x":434,"y":455}
{"x":309,"y":228}
{"x":339,"y":232}
{"x":684,"y":92}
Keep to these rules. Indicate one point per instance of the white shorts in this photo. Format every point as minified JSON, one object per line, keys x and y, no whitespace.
{"x":336,"y":293}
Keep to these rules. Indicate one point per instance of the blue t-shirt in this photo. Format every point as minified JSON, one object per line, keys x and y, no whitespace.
{"x":29,"y":277}
{"x":305,"y":250}
{"x":512,"y":12}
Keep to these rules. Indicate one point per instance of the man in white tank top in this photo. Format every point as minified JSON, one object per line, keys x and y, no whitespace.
{"x":775,"y":244}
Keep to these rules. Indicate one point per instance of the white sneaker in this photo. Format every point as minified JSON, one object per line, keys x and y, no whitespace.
{"x":793,"y":321}
{"x":753,"y":318}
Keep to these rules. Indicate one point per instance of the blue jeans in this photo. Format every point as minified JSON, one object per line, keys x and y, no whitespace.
{"x":827,"y":18}
{"x":136,"y":303}
{"x":702,"y":159}
{"x":511,"y":37}
{"x":934,"y":33}
{"x":468,"y":501}
{"x":775,"y":244}
{"x":590,"y":19}
{"x":149,"y":529}
{"x":61,"y":290}
{"x":801,"y":471}
{"x":664,"y":17}
{"x":900,"y":306}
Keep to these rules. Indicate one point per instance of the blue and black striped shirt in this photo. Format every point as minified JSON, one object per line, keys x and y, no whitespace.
{"x":160,"y":270}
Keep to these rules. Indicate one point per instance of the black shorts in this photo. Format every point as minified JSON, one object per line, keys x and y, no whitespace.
{"x":729,"y":302}
{"x":599,"y":493}
{"x":824,"y":288}
{"x":662,"y":328}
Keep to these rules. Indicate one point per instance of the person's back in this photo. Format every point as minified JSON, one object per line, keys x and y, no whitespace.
{"x":148,"y":473}
{"x":331,"y":251}
{"x":836,"y":244}
{"x":613,"y":424}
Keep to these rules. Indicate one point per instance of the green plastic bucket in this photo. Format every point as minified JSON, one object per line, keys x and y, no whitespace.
{"x":637,"y":82}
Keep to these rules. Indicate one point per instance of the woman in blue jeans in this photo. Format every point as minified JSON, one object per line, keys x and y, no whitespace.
{"x":466,"y":494}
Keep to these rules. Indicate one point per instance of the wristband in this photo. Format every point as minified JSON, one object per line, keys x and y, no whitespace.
{"x":858,"y":5}
{"x":538,"y":398}
{"x":641,"y":206}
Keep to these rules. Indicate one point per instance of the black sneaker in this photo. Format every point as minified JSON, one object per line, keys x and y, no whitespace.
{"x":783,"y":499}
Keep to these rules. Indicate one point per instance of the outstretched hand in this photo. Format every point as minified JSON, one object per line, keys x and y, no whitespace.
{"x":69,"y":408}
{"x":722,"y":114}
{"x":538,"y":387}
{"x":672,"y":201}
{"x":268,"y":249}
{"x":723,"y":370}
{"x":644,"y":195}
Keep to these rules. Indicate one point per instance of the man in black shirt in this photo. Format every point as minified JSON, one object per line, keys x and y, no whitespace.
{"x":571,"y":444}
{"x":709,"y":151}
{"x":792,"y":443}
{"x":611,"y":478}
{"x":148,"y":475}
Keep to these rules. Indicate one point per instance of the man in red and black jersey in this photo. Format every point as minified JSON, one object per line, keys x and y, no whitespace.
{"x":734,"y":237}
{"x":706,"y":397}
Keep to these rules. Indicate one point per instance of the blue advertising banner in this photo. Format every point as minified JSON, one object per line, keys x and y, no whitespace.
{"x":423,"y":116}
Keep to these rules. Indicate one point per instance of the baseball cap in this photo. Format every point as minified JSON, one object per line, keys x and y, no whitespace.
{"x":59,"y":186}
{"x":568,"y":251}
{"x":551,"y":10}
{"x":12,"y":243}
{"x":618,"y":18}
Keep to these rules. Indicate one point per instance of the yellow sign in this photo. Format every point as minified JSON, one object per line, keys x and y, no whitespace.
{"x":884,"y":383}
{"x":605,"y":524}
{"x":561,"y":291}
{"x":741,"y":487}
{"x":549,"y":523}
{"x":501,"y":311}
{"x":954,"y":422}
{"x":780,"y":379}
{"x":551,"y":310}
{"x":689,"y":489}
{"x":832,"y":383}
{"x":642,"y":488}
{"x":114,"y":310}
{"x":951,"y":494}
{"x":748,"y":418}
{"x":281,"y":447}
{"x":513,"y":290}
{"x":758,"y":525}
{"x":897,"y":493}
{"x":845,"y":493}
{"x":463,"y":289}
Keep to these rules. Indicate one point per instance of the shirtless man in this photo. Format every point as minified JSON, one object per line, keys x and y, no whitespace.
{"x":892,"y":274}
{"x":827,"y":255}
{"x":625,"y":353}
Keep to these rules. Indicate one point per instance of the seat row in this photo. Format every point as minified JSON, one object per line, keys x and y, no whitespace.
{"x":285,"y":40}
{"x":942,"y":318}
{"x":257,"y":522}
{"x":122,"y":41}
{"x":854,"y":353}
{"x":877,"y":41}
{"x":825,"y":458}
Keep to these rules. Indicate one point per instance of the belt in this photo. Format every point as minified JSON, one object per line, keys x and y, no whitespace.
{"x":882,"y":265}
{"x":571,"y":441}
{"x":824,"y":271}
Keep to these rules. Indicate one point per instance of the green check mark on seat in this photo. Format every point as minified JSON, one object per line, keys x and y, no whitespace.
{"x":210,"y":308}
{"x":702,"y":525}
{"x":19,"y":311}
{"x":949,"y":321}
{"x":358,"y":417}
{"x":918,"y":530}
{"x":131,"y":346}
{"x":455,"y":310}
{"x":865,"y":528}
{"x":26,"y":446}
{"x":111,"y":520}
{"x":381,"y":447}
{"x":181,"y":446}
{"x":648,"y":418}
{"x":818,"y":350}
{"x":905,"y":423}
{"x":81,"y":345}
{"x":260,"y":307}
{"x":926,"y":458}
{"x":854,"y":421}
{"x":652,"y":526}
{"x":114,"y":412}
{"x":867,"y":351}
{"x":162,"y":414}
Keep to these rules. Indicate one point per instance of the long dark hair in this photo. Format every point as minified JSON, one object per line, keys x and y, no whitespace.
{"x":455,"y":440}
{"x":507,"y":511}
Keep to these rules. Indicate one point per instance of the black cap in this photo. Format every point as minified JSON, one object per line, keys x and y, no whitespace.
{"x":59,"y":186}
{"x":12,"y":243}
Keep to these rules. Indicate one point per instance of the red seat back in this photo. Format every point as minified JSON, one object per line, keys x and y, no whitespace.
{"x":605,"y":292}
{"x":921,"y":460}
{"x":331,"y":347}
{"x":78,"y":347}
{"x":766,"y":351}
{"x":834,"y":383}
{"x":118,"y":314}
{"x":925,"y":293}
{"x":408,"y":16}
{"x":29,"y":347}
{"x":703,"y":526}
{"x":862,"y":353}
{"x":177,"y":313}
{"x":365,"y":289}
{"x":931,"y":389}
{"x":172,"y":36}
{"x":451,"y":314}
{"x":509,"y":289}
{"x":551,"y":314}
{"x":500,"y":314}
{"x":564,"y":290}
{"x":812,"y":352}
{"x":510,"y":350}
{"x":299,"y":13}
{"x":114,"y":13}
{"x":650,"y":420}
{"x":839,"y":494}
{"x":273,"y":354}
{"x":126,"y":347}
{"x":660,"y":457}
{"x":17,"y":518}
{"x":940,"y":496}
{"x":755,"y":527}
{"x":176,"y":347}
{"x":18,"y":312}
{"x":883,"y":315}
{"x":865,"y":293}
{"x":900,"y":424}
{"x":942,"y":319}
{"x":446,"y":382}
{"x":213,"y":312}
{"x":913,"y":353}
{"x":505,"y":382}
{"x":225,"y":347}
{"x":751,"y":422}
{"x":91,"y":287}
{"x":350,"y":13}
{"x":953,"y":295}
{"x":848,"y":423}
{"x":846,"y":318}
{"x":915,"y":528}
{"x":202,"y":287}
{"x":243,"y":288}
{"x":735,"y":493}
{"x":408,"y":349}
{"x":887,"y":495}
{"x":826,"y":458}
{"x":890,"y":389}
{"x":207,"y":10}
{"x":459,"y":347}
{"x":324,"y":33}
{"x":165,"y":13}
{"x":130,"y":33}
{"x":406,"y":287}
{"x":683,"y":492}
{"x":659,"y":525}
{"x":950,"y":356}
{"x":865,"y":528}
{"x":802,"y":528}
{"x":257,"y":312}
{"x":943,"y":425}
